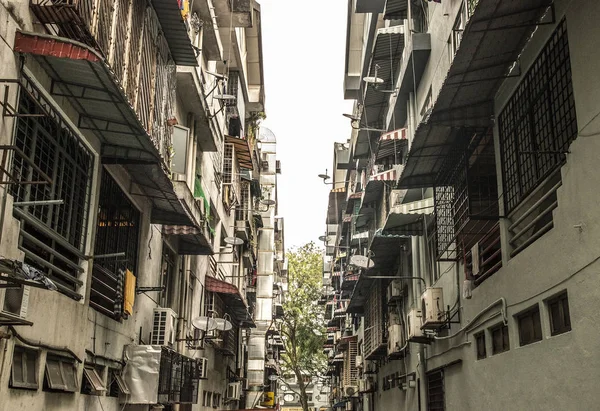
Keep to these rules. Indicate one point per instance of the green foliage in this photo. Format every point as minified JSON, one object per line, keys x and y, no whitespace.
{"x":302,"y":326}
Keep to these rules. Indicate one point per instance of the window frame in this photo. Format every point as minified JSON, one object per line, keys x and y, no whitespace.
{"x":479,"y":338}
{"x":504,"y":332}
{"x":92,"y":381}
{"x":64,"y":364}
{"x":25,"y":371}
{"x":530,"y":313}
{"x":563,"y":300}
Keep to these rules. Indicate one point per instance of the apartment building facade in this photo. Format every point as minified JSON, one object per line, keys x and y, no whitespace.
{"x":134,"y":201}
{"x":462,"y":258}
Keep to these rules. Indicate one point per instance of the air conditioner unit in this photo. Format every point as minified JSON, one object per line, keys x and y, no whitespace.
{"x":413,"y":324}
{"x":202,"y":364}
{"x":164,"y":327}
{"x":233,"y":391}
{"x":359,"y":361}
{"x":395,"y":340}
{"x":432,"y":307}
{"x":394,"y":290}
{"x":350,"y":390}
{"x":365,"y":385}
{"x":15,"y":301}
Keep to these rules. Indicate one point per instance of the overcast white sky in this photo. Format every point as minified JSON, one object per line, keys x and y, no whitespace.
{"x":303,"y":55}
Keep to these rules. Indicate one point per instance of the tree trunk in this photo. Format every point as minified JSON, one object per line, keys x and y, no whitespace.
{"x":303,"y":395}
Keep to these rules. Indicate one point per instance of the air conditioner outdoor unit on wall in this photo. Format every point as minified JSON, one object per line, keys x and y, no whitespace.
{"x":413,"y":324}
{"x":15,"y":301}
{"x":432,"y":307}
{"x":359,"y":361}
{"x":395,"y":340}
{"x":233,"y":390}
{"x":394,"y":290}
{"x":350,"y":390}
{"x":164,"y":327}
{"x":202,"y":364}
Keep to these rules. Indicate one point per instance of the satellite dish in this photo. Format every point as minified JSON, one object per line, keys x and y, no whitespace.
{"x":323,"y":238}
{"x":324,"y":176}
{"x":222,"y":324}
{"x":273,"y":377}
{"x":234,"y":240}
{"x":217,"y":75}
{"x":373,"y":80}
{"x":361,"y":261}
{"x":268,"y":202}
{"x":288,"y":397}
{"x":204,"y":323}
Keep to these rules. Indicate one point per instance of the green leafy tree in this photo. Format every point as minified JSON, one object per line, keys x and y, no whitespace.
{"x":302,"y":328}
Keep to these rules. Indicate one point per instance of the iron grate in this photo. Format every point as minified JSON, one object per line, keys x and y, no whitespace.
{"x":53,"y":237}
{"x":539,"y":121}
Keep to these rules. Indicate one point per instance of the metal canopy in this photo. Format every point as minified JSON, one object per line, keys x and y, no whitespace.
{"x":491,"y":43}
{"x":232,"y":299}
{"x":387,"y":53}
{"x":175,"y":31}
{"x":242,"y":151}
{"x":396,"y":10}
{"x":192,"y":240}
{"x":336,"y":204}
{"x":81,"y":75}
{"x":407,"y":219}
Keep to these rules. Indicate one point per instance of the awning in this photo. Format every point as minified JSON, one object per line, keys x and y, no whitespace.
{"x":232,"y":299}
{"x":407,"y":219}
{"x":388,"y":175}
{"x":340,"y":404}
{"x":387,"y":53}
{"x":337,"y":202}
{"x":242,"y":151}
{"x":491,"y":42}
{"x":175,"y":31}
{"x":393,"y":144}
{"x":82,"y":76}
{"x":192,"y":240}
{"x":396,"y":10}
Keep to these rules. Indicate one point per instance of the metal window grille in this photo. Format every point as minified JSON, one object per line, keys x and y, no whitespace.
{"x":539,"y":121}
{"x":350,"y":371}
{"x":178,"y":378}
{"x":466,"y":194}
{"x":228,"y":164}
{"x":435,"y":391}
{"x":117,"y":231}
{"x":374,"y":341}
{"x":242,"y":213}
{"x":53,"y":237}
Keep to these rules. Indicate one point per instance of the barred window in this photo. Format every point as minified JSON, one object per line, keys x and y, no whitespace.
{"x":539,"y":122}
{"x":117,"y":232}
{"x":52,"y":236}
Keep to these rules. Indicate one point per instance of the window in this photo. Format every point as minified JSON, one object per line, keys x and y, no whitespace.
{"x":216,"y":400}
{"x":536,"y":128}
{"x":530,"y":326}
{"x":169,"y":278}
{"x":480,"y":345}
{"x":24,"y":369}
{"x":116,"y":383}
{"x":500,"y":342}
{"x":60,"y":375}
{"x":435,"y":391}
{"x":458,"y":28}
{"x":117,"y":232}
{"x":92,"y":381}
{"x":52,"y":236}
{"x":560,"y":320}
{"x":204,"y":398}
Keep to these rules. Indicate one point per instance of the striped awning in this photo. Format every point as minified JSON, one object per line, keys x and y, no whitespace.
{"x":389,"y":175}
{"x":336,"y":274}
{"x":407,"y":219}
{"x":400,"y":134}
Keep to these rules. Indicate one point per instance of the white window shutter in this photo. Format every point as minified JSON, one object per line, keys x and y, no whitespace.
{"x":24,"y":301}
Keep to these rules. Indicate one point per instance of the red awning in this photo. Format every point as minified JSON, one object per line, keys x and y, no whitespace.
{"x":232,"y":298}
{"x":389,"y":175}
{"x":399,"y":134}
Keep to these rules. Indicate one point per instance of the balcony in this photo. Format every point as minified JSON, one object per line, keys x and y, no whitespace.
{"x":389,"y":46}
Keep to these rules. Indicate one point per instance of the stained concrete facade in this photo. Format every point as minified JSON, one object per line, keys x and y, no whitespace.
{"x":66,"y":327}
{"x":558,"y":371}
